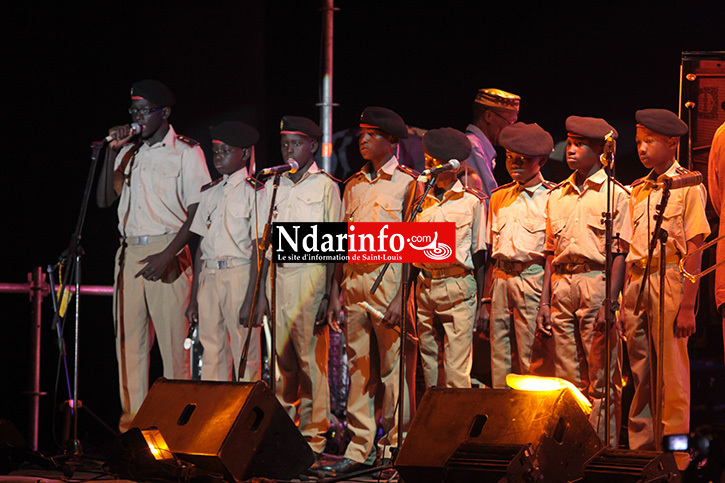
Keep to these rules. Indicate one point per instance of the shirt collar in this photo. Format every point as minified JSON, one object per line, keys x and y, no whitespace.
{"x":488,"y":148}
{"x":236,"y":177}
{"x":169,"y":139}
{"x":388,"y":168}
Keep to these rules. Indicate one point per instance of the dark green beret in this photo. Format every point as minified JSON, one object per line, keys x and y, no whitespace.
{"x":300,"y":125}
{"x":234,"y":133}
{"x":589,"y":127}
{"x":385,"y":120}
{"x":526,"y":139}
{"x":447,"y":143}
{"x":661,"y":121}
{"x":153,"y":91}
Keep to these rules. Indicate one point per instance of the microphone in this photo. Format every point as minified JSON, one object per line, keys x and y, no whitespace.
{"x":190,"y":336}
{"x":292,"y":167}
{"x":135,"y":129}
{"x":680,"y":181}
{"x":609,"y":148}
{"x":451,"y":165}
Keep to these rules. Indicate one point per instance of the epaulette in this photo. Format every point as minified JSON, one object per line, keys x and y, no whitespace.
{"x":508,"y":185}
{"x":639,"y":181}
{"x":548,"y":184}
{"x":408,"y":170}
{"x":353,"y":175}
{"x":186,"y":140}
{"x":255,"y":183}
{"x":563,"y":183}
{"x":478,"y":194}
{"x":626,"y":190}
{"x":681,"y":170}
{"x":211,"y":185}
{"x":330,"y":176}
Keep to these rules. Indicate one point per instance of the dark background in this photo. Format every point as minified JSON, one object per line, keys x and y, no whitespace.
{"x":67,"y":73}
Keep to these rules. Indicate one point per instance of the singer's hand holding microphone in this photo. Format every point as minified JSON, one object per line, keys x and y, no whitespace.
{"x":119,"y":135}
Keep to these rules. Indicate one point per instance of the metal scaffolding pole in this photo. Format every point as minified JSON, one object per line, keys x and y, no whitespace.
{"x":326,"y":104}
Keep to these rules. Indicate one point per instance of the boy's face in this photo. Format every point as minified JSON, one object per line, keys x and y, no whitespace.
{"x":375,"y":145}
{"x":582,"y":154}
{"x":522,"y":168}
{"x":655,"y":150}
{"x":298,"y":147}
{"x":229,"y":159}
{"x":148,"y":115}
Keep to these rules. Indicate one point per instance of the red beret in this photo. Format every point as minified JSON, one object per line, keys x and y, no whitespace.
{"x":385,"y":120}
{"x":661,"y":121}
{"x":447,"y":143}
{"x":589,"y":127}
{"x":526,"y":139}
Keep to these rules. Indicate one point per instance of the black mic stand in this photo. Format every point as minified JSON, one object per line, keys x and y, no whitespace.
{"x":261,"y":253}
{"x":403,"y":325}
{"x":71,"y":260}
{"x":660,"y":236}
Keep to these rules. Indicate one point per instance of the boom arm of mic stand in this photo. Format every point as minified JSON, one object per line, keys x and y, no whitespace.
{"x":431,"y":182}
{"x":261,"y":253}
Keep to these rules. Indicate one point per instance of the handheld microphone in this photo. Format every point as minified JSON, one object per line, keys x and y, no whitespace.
{"x":135,"y":129}
{"x":680,"y":181}
{"x":451,"y":165}
{"x":190,"y":336}
{"x":292,"y":167}
{"x":609,"y":148}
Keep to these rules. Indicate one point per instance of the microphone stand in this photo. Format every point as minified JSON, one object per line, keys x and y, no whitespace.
{"x":608,"y":158}
{"x":261,"y":252}
{"x":660,"y":235}
{"x":403,"y":322}
{"x":72,"y":258}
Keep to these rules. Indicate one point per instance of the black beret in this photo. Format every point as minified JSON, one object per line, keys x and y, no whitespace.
{"x":300,"y":125}
{"x":447,"y":143}
{"x":153,"y":91}
{"x":661,"y":121}
{"x":235,"y":133}
{"x":385,"y":120}
{"x":526,"y":139}
{"x":589,"y":127}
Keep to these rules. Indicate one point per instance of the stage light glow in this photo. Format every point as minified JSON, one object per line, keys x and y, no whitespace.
{"x":542,"y":384}
{"x":157,"y":444}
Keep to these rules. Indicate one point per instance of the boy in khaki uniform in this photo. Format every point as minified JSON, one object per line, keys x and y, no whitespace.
{"x":381,"y":191}
{"x":516,"y":235}
{"x":225,"y":260}
{"x":658,"y":135}
{"x":311,"y":195}
{"x":571,"y":308}
{"x":447,"y":294}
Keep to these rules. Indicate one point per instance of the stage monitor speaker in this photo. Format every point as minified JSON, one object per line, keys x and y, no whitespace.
{"x":237,"y":429}
{"x":466,"y":435}
{"x":631,"y":466}
{"x":702,"y":105}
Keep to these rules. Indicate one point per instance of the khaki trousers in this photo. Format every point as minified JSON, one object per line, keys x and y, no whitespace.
{"x":373,"y":352}
{"x":137,"y":302}
{"x":446,"y":309}
{"x":515,"y":298}
{"x":676,"y":362}
{"x":220,"y":295}
{"x":302,"y":350}
{"x":580,"y":350}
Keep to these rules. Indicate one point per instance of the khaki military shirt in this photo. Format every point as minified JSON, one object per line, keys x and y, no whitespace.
{"x":164,"y":180}
{"x":517,"y":221}
{"x":468,"y":212}
{"x":575,"y":228}
{"x":684,"y":216}
{"x":227,"y":217}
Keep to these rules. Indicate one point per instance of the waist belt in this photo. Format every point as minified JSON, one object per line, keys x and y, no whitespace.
{"x":509,"y":266}
{"x":445,"y":272}
{"x":226,"y":263}
{"x":147,"y":239}
{"x":642,"y":262}
{"x":572,"y":268}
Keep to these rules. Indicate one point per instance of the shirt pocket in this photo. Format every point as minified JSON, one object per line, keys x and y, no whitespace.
{"x":672,"y":221}
{"x":388,"y":208}
{"x":533,"y":235}
{"x":311,"y":206}
{"x":597,"y":228}
{"x":165,"y":176}
{"x":464,"y":224}
{"x":497,"y":229}
{"x":351,"y":208}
